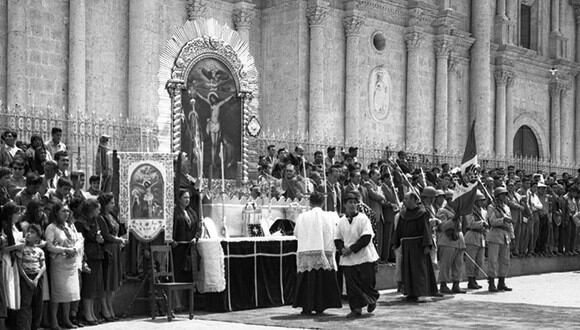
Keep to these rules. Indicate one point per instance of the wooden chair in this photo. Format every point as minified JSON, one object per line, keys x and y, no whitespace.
{"x":163,"y":279}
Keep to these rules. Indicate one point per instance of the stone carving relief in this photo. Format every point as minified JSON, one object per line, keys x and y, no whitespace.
{"x":379,"y":93}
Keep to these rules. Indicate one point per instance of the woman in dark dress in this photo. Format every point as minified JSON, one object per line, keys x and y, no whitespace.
{"x":112,"y":265}
{"x":92,"y":280}
{"x":413,"y":234}
{"x":186,"y":228}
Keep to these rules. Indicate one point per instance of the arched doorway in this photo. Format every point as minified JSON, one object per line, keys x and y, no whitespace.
{"x":525,"y":143}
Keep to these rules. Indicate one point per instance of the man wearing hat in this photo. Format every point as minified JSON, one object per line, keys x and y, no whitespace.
{"x":498,"y":240}
{"x":476,"y":225}
{"x":544,"y":226}
{"x":451,"y":246}
{"x":514,"y":203}
{"x":358,"y":257}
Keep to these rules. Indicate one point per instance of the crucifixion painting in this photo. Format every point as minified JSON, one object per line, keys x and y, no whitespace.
{"x":213,"y":114}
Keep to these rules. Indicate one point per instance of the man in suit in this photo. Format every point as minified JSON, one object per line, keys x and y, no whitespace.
{"x":271,"y":157}
{"x":333,"y":190}
{"x":356,"y":184}
{"x":376,"y":201}
{"x":390,"y":209}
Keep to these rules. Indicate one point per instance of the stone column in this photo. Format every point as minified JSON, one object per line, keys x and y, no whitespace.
{"x":555,"y":16}
{"x":414,"y":113}
{"x":16,"y":92}
{"x":317,"y":13}
{"x":555,"y":137}
{"x":442,"y":49}
{"x":352,"y":25}
{"x":452,"y":107}
{"x":512,"y":28}
{"x":576,"y":5}
{"x":480,"y":75}
{"x":76,"y":58}
{"x":501,"y":23}
{"x":567,"y":124}
{"x":243,"y":15}
{"x":143,"y":47}
{"x":501,"y":79}
{"x":509,"y":116}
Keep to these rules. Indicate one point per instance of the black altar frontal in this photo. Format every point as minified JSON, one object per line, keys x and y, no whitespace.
{"x":260,"y":272}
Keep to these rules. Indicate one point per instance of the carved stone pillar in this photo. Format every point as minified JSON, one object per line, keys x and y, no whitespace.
{"x":452,"y":115}
{"x":352,"y":25}
{"x":442,"y":49}
{"x":512,"y":26}
{"x":556,"y":87}
{"x":555,"y":16}
{"x":196,"y":9}
{"x":143,"y":46}
{"x":501,"y":80}
{"x":77,"y":59}
{"x":16,"y":92}
{"x":243,"y":16}
{"x":414,"y":115}
{"x":317,"y":13}
{"x":509,"y":116}
{"x":479,"y":93}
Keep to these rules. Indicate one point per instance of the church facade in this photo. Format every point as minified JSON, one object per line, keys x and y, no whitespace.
{"x":410,"y":74}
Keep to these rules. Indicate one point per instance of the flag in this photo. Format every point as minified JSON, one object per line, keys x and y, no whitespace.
{"x":464,"y":194}
{"x":469,"y":161}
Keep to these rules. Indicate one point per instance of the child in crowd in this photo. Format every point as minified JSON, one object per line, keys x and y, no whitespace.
{"x":31,"y":266}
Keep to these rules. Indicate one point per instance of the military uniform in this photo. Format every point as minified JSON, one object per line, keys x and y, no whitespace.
{"x":451,"y":246}
{"x":498,"y":240}
{"x":476,"y":224}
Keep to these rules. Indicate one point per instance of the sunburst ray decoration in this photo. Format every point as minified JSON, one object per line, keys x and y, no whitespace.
{"x":173,"y":68}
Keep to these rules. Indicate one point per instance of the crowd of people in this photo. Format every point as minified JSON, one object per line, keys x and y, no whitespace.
{"x":60,"y":244}
{"x":415,"y":224}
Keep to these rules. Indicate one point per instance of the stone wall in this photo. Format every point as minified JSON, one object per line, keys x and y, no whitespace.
{"x":122,"y":77}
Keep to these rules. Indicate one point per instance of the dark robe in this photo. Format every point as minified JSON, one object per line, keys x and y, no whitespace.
{"x":413,"y":235}
{"x":184,"y":231}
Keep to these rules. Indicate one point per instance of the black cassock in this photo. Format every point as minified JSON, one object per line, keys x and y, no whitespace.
{"x":413,"y":235}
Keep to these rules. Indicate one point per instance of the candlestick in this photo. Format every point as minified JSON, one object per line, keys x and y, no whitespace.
{"x":223,"y":169}
{"x":324,"y":178}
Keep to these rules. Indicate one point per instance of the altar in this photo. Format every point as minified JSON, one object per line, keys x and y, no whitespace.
{"x":259,"y":272}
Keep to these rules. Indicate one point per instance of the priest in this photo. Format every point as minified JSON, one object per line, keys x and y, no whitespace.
{"x":316,"y":284}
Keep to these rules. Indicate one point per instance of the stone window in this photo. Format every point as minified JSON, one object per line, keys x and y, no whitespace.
{"x":528,"y":24}
{"x":525,"y":26}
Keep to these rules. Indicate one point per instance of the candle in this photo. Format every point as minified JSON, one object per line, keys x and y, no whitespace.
{"x":324,"y":178}
{"x":223,"y":169}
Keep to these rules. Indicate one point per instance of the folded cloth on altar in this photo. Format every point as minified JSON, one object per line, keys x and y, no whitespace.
{"x":212,"y":275}
{"x":208,"y":228}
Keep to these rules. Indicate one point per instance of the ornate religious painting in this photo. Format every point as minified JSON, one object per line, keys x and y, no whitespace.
{"x":146,"y":195}
{"x":379,"y":93}
{"x":212,"y":118}
{"x":209,"y":80}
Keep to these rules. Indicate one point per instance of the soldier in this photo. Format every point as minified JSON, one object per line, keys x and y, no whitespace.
{"x":476,"y":224}
{"x":451,"y":246}
{"x":498,"y":240}
{"x":427,"y":197}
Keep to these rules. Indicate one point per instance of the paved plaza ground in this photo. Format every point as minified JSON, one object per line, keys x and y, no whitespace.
{"x":546,"y":301}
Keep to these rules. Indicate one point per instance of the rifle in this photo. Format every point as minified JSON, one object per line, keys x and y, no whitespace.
{"x":491,"y":199}
{"x":393,"y":187}
{"x":398,"y":169}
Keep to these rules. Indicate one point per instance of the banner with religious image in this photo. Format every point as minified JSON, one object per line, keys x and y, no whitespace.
{"x":146,"y":195}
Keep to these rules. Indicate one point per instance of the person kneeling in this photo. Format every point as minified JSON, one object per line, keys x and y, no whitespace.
{"x":358,"y":257}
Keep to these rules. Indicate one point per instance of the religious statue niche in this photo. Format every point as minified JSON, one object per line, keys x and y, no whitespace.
{"x":379,"y":93}
{"x":212,"y":118}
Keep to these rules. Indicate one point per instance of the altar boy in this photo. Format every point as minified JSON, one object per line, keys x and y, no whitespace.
{"x":358,"y":257}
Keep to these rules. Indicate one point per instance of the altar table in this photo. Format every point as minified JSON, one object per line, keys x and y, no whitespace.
{"x":259,"y":272}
